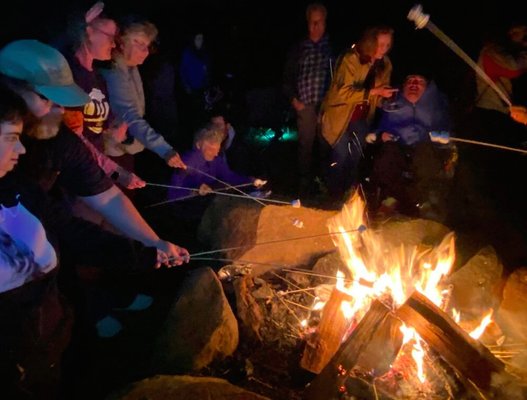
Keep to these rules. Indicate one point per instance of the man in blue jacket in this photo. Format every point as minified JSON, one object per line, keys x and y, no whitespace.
{"x":409,"y":160}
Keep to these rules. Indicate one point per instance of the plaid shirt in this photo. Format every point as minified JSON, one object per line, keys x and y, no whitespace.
{"x":314,"y":70}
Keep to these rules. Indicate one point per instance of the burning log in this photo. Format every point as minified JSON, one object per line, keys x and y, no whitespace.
{"x":467,"y":355}
{"x":372,"y":347}
{"x":331,"y":329}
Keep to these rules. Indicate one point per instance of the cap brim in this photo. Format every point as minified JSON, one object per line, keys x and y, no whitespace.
{"x":67,"y":96}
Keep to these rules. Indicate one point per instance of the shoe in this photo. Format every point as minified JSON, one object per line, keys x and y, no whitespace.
{"x":140,"y":302}
{"x":108,"y":327}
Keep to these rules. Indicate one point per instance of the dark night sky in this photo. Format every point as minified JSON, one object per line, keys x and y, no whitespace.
{"x":258,"y":33}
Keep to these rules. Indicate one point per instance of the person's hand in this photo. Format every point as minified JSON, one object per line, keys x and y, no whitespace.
{"x":384,"y":91}
{"x":170,"y":254}
{"x":519,"y":114}
{"x":174,"y":160}
{"x":297,"y":104}
{"x":442,"y":137}
{"x":371,"y":138}
{"x":204,"y":189}
{"x":130,"y":180}
{"x":258,"y":183}
{"x":388,"y":137}
{"x":118,"y":133}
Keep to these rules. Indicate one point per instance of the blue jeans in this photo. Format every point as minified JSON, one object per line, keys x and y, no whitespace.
{"x":343,"y":171}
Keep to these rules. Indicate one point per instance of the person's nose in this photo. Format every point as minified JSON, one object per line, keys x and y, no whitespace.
{"x":56,"y":109}
{"x":20,"y":149}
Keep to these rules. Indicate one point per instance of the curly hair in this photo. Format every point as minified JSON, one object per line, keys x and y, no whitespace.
{"x":209,"y":133}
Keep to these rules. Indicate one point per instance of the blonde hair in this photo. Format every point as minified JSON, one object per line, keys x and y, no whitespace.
{"x":145,"y":27}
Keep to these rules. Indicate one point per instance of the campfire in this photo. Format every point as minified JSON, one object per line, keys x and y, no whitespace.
{"x":388,"y":323}
{"x":341,"y":308}
{"x":386,"y":327}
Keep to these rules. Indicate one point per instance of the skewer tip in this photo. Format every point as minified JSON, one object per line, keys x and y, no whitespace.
{"x":296,"y":203}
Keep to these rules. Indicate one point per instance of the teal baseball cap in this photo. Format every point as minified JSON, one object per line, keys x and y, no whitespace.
{"x":45,"y":69}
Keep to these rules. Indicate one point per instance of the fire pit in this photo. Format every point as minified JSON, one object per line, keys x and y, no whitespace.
{"x":382,"y":324}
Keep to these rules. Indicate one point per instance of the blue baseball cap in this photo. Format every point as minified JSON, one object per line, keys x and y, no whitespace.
{"x":45,"y":69}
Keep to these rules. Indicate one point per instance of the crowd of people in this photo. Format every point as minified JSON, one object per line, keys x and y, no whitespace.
{"x":72,"y":123}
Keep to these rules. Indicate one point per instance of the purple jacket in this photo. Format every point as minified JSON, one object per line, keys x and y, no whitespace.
{"x":192,"y":178}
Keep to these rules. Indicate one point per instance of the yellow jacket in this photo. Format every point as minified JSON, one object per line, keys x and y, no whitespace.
{"x":346,"y":92}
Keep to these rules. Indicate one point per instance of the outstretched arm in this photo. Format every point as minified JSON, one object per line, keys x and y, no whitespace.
{"x":122,"y":214}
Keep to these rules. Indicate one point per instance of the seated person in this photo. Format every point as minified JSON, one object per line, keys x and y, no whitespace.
{"x":407,"y":154}
{"x":205,"y":169}
{"x":218,"y":120}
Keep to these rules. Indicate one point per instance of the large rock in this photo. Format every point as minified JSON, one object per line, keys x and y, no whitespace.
{"x":295,"y":237}
{"x":512,"y":314}
{"x":475,"y":286}
{"x":413,"y":232}
{"x":228,"y":223}
{"x":326,"y":268}
{"x":164,"y":387}
{"x":200,"y":327}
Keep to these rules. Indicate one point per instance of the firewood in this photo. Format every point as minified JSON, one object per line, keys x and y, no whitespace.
{"x":371,"y":347}
{"x":467,"y":355}
{"x":331,"y":329}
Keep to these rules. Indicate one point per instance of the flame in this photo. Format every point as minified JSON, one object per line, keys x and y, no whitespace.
{"x":487,"y":319}
{"x":319,"y":305}
{"x":418,"y":352}
{"x":378,"y":268}
{"x":456,"y":315}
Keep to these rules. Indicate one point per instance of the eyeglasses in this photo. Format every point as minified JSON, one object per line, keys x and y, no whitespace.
{"x":110,"y":36}
{"x":140,"y":45}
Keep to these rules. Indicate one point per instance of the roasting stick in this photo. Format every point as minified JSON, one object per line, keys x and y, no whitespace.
{"x":422,"y":20}
{"x":219,"y":192}
{"x":359,"y":229}
{"x":226,"y":184}
{"x":184,"y":197}
{"x":297,"y":270}
{"x":496,"y":146}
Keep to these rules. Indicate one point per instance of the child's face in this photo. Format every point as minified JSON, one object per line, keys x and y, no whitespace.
{"x":209,"y":149}
{"x":10,"y":146}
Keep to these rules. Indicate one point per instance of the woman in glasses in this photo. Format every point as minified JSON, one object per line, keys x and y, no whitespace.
{"x":125,"y":87}
{"x":93,"y":38}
